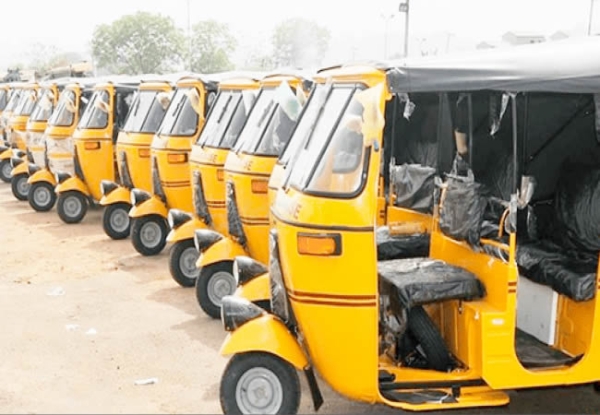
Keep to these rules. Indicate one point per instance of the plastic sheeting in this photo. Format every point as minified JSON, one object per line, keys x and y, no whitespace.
{"x":400,"y":246}
{"x":418,"y":281}
{"x":200,"y":205}
{"x":462,"y":210}
{"x":413,"y":186}
{"x":567,"y":273}
{"x":125,"y":176}
{"x":577,"y":208}
{"x":234,"y":223}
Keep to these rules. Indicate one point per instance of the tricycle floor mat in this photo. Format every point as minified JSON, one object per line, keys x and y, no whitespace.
{"x":419,"y":397}
{"x":533,"y":353}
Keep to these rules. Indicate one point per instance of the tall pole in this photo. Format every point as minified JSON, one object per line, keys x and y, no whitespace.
{"x":189,"y":30}
{"x":404,"y":8}
{"x":591,"y":17}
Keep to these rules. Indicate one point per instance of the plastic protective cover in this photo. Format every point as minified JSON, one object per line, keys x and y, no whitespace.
{"x":58,"y":151}
{"x":126,"y":180}
{"x":400,"y":246}
{"x":200,"y":205}
{"x":577,"y":208}
{"x":233,"y":217}
{"x":567,"y":273}
{"x":418,"y":281}
{"x":413,"y":185}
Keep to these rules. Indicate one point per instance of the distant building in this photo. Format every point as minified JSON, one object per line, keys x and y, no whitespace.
{"x":522,"y":38}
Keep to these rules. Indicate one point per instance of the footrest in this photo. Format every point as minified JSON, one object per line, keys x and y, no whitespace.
{"x":418,"y":281}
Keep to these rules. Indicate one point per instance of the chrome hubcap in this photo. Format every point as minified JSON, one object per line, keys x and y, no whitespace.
{"x":119,"y":220}
{"x":187,"y":263}
{"x":151,"y":234}
{"x":41,"y":196}
{"x":220,"y":285}
{"x":259,"y":391}
{"x":72,"y":206}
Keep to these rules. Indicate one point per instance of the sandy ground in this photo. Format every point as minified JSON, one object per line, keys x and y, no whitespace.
{"x":83,"y":317}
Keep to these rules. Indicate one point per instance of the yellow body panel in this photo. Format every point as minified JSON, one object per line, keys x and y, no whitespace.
{"x":152,"y":206}
{"x":224,"y":250}
{"x":20,"y":169}
{"x":185,"y":231}
{"x":119,"y":195}
{"x":43,"y":175}
{"x":7,"y":154}
{"x":257,"y":289}
{"x":72,"y":183}
{"x":266,"y":334}
{"x":136,"y":149}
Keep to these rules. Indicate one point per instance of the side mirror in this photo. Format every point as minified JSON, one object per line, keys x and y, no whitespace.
{"x":194,"y":98}
{"x":70,"y":106}
{"x":102,"y":106}
{"x":164,"y":99}
{"x":526,"y":191}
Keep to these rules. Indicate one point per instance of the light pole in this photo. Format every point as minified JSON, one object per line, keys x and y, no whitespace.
{"x":403,"y":8}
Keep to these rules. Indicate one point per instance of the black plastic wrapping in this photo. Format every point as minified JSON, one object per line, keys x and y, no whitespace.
{"x":400,"y":246}
{"x":126,"y":180}
{"x":413,"y":185}
{"x":418,"y":281}
{"x":233,"y":217}
{"x":200,"y":205}
{"x":157,"y":188}
{"x":462,"y":210}
{"x":577,"y":208}
{"x":279,"y":299}
{"x":566,"y":272}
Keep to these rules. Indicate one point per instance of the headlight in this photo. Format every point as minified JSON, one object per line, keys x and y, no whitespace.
{"x":246,"y":269}
{"x":177,"y":217}
{"x":139,"y":196}
{"x":15,"y":161}
{"x":106,"y":186}
{"x":236,"y":311}
{"x":33,"y":168}
{"x":205,"y":238}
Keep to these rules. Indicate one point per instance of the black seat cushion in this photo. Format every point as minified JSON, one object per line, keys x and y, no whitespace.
{"x":400,"y":246}
{"x":418,"y":281}
{"x":569,"y":273}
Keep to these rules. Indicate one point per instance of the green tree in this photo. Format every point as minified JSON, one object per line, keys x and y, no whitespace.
{"x":138,"y":43}
{"x":300,"y":43}
{"x":211,"y":45}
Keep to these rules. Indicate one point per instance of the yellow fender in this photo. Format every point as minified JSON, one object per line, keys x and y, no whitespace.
{"x":20,"y":169}
{"x":119,"y":195}
{"x":43,"y":175}
{"x":185,"y":231}
{"x":225,"y":249}
{"x":7,"y":154}
{"x":257,"y":289}
{"x":265,"y":334}
{"x":72,"y":183}
{"x":152,"y":206}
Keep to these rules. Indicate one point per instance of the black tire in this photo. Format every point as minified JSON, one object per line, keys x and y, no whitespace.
{"x":180,"y":249}
{"x":108,"y":222}
{"x":137,"y":231}
{"x":242,"y":364}
{"x":63,"y":206}
{"x":203,"y":283}
{"x":34,"y":201}
{"x":15,"y":185}
{"x":427,"y":334}
{"x":5,"y":168}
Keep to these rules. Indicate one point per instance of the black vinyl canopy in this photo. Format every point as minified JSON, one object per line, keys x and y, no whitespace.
{"x":566,"y":66}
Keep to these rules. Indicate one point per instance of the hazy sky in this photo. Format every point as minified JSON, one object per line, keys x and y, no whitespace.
{"x":357,"y":27}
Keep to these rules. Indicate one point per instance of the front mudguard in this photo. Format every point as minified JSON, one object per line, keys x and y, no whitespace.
{"x":152,"y":206}
{"x":119,"y":195}
{"x":185,"y":231}
{"x":7,"y":154}
{"x":266,"y":334}
{"x":43,"y":175}
{"x":257,"y":289}
{"x":72,"y":184}
{"x":222,"y":250}
{"x":22,"y":168}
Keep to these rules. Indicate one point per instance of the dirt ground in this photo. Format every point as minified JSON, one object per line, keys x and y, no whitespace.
{"x":84,"y":317}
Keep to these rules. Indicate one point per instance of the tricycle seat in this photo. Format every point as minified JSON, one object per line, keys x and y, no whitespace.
{"x":418,"y":281}
{"x":390,"y":246}
{"x":569,"y":273}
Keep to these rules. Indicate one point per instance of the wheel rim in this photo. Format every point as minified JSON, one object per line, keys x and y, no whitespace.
{"x":41,"y":196}
{"x":6,"y":169}
{"x":187,"y":263}
{"x":151,"y":234}
{"x":72,"y":206}
{"x":23,"y":186}
{"x":259,"y":391}
{"x":220,"y":284}
{"x":119,"y":220}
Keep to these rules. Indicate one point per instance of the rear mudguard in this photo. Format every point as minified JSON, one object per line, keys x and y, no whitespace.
{"x":119,"y":195}
{"x":152,"y":206}
{"x":22,"y":168}
{"x":265,"y":334}
{"x":185,"y":231}
{"x":72,"y":184}
{"x":222,"y":250}
{"x":257,"y":289}
{"x":43,"y":175}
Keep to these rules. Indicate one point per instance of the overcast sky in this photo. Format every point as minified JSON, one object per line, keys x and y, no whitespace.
{"x":357,"y":27}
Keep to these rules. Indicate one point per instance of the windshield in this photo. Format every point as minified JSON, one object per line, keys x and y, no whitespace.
{"x":331,"y":160}
{"x":97,"y":112}
{"x":269,"y":127}
{"x":44,"y":107}
{"x":226,"y":119}
{"x":14,"y":100}
{"x":3,"y":100}
{"x":64,"y":115}
{"x":26,"y":103}
{"x":146,"y":113}
{"x":180,"y":119}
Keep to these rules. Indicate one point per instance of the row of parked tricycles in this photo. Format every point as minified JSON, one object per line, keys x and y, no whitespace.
{"x":422,"y":233}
